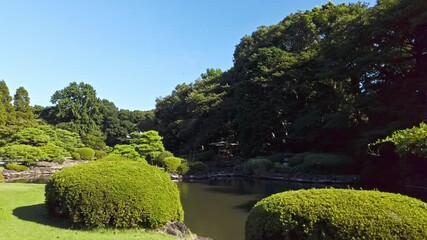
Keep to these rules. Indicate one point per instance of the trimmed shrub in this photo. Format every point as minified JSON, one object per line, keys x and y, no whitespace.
{"x":171,"y":164}
{"x":53,"y":152}
{"x":100,"y":154}
{"x":183,"y":169}
{"x":159,"y":160}
{"x":127,"y":151}
{"x":1,"y":176}
{"x":198,"y":168}
{"x":320,"y":163}
{"x":337,"y":214}
{"x":86,"y":153}
{"x":114,"y":192}
{"x":15,"y":167}
{"x":76,"y":156}
{"x":276,"y":157}
{"x":298,"y":159}
{"x":26,"y":153}
{"x":257,"y":166}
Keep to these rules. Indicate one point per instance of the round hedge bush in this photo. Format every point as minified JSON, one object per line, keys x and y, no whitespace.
{"x":114,"y":192}
{"x":76,"y":156}
{"x":86,"y":153}
{"x":171,"y":164}
{"x":337,"y":214}
{"x":15,"y":167}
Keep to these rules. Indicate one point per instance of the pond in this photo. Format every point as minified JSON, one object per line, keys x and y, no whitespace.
{"x":218,"y":208}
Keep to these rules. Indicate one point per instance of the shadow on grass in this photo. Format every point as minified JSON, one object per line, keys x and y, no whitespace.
{"x":39,"y":214}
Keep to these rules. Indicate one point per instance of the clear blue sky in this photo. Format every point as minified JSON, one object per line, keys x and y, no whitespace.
{"x":131,"y":52}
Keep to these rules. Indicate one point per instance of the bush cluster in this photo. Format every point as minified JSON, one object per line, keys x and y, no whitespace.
{"x":100,"y":154}
{"x":26,"y":153}
{"x":197,"y":168}
{"x":86,"y":153}
{"x":114,"y":192}
{"x":54,"y":153}
{"x":337,"y":214}
{"x":257,"y":166}
{"x":171,"y":164}
{"x":76,"y":156}
{"x":15,"y":167}
{"x":159,"y":160}
{"x":320,"y":163}
{"x":1,"y":176}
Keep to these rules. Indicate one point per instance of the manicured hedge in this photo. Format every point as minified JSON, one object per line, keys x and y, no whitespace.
{"x":76,"y":156}
{"x":257,"y":166}
{"x":28,"y":154}
{"x":15,"y":167}
{"x":337,"y":214}
{"x":86,"y":153}
{"x":54,"y":153}
{"x":114,"y":192}
{"x":171,"y":164}
{"x":198,"y":168}
{"x":160,"y":160}
{"x":1,"y":176}
{"x":100,"y":154}
{"x":321,"y":163}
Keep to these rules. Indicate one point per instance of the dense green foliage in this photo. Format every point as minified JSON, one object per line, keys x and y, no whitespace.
{"x":99,"y":154}
{"x":409,"y":141}
{"x":171,"y":164}
{"x":15,"y":167}
{"x":197,"y":168}
{"x":76,"y":156}
{"x":159,"y":160}
{"x":330,"y":79}
{"x":320,"y":163}
{"x":86,"y":153}
{"x":257,"y":166}
{"x":337,"y":214}
{"x":127,"y":151}
{"x":114,"y":192}
{"x":26,"y":153}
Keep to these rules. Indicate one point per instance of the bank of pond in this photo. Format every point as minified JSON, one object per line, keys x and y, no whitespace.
{"x":90,"y":197}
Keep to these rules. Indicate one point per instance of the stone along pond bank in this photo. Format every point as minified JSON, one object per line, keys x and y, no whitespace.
{"x":45,"y":169}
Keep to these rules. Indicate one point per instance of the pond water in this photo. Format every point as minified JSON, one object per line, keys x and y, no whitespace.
{"x":218,"y":208}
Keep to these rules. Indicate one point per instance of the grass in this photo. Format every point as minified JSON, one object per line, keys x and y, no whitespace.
{"x":23,"y":216}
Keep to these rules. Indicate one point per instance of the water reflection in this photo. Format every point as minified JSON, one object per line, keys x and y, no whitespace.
{"x":218,"y":208}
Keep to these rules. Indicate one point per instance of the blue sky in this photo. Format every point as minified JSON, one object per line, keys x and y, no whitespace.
{"x":131,"y":52}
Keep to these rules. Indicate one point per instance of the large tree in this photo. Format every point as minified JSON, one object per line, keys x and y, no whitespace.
{"x":21,"y":102}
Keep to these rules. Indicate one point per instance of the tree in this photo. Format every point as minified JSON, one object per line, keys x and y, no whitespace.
{"x":7,"y":112}
{"x":21,"y":103}
{"x":76,"y":108}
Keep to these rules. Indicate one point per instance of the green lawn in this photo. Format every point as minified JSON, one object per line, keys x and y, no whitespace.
{"x":23,"y":216}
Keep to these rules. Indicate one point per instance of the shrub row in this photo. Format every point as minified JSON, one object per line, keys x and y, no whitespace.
{"x":320,"y":163}
{"x":114,"y":192}
{"x":15,"y":167}
{"x":337,"y":214}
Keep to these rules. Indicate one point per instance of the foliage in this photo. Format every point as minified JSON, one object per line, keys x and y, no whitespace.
{"x":113,"y":193}
{"x":159,"y":160}
{"x":26,"y":153}
{"x":76,"y":156}
{"x":86,"y":153}
{"x":197,"y":168}
{"x":320,"y":163}
{"x":54,"y":153}
{"x":100,"y":154}
{"x":30,"y":136}
{"x":337,"y":214}
{"x":127,"y":151}
{"x":148,"y":144}
{"x":257,"y":166}
{"x":276,"y":157}
{"x":15,"y":167}
{"x":183,"y":169}
{"x":1,"y":175}
{"x":409,"y":141}
{"x":171,"y":164}
{"x":21,"y":103}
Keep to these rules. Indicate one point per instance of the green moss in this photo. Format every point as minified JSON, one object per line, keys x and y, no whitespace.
{"x":337,"y":214}
{"x":114,"y":192}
